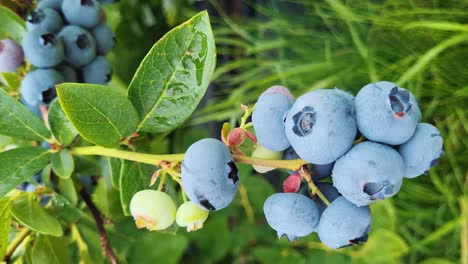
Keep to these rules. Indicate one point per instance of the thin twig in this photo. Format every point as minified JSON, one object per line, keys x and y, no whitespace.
{"x":305,"y":174}
{"x":15,"y":243}
{"x":105,"y":243}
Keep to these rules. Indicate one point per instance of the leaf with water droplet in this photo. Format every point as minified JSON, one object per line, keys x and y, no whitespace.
{"x":18,"y":165}
{"x":18,"y":122}
{"x":174,"y":75}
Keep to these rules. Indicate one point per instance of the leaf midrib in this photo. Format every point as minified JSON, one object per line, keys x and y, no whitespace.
{"x":22,"y":167}
{"x":166,"y":85}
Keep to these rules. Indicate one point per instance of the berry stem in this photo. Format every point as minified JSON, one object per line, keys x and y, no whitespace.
{"x":157,"y":159}
{"x":15,"y":243}
{"x":305,"y":174}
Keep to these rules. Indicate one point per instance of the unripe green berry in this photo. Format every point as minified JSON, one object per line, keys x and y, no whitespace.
{"x":264,"y":153}
{"x":152,"y":209}
{"x":190,"y":215}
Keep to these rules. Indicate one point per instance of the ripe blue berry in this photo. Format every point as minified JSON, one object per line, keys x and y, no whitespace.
{"x":54,"y":4}
{"x":80,"y":47}
{"x":38,"y":87}
{"x":321,"y":125}
{"x":422,"y":150}
{"x":11,"y":56}
{"x":343,"y":224}
{"x":209,"y":175}
{"x":291,"y":214}
{"x":105,"y":38}
{"x":99,"y":71}
{"x":386,"y":113}
{"x":369,"y":171}
{"x":267,"y":119}
{"x":47,"y":19}
{"x":69,"y":74}
{"x":84,"y":13}
{"x":42,"y":48}
{"x":330,"y":192}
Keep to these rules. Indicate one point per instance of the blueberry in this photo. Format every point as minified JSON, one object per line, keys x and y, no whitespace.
{"x":80,"y":47}
{"x":422,"y":150}
{"x":54,"y":4}
{"x":99,"y":71}
{"x":105,"y":38}
{"x":42,"y":48}
{"x":321,"y":171}
{"x":268,"y":119}
{"x":38,"y":87}
{"x":386,"y":113}
{"x":321,"y":125}
{"x":209,"y":175}
{"x":343,"y":224}
{"x":84,"y":13}
{"x":369,"y":171}
{"x":11,"y":56}
{"x":291,"y":214}
{"x":330,"y":192}
{"x":47,"y":19}
{"x":68,"y":72}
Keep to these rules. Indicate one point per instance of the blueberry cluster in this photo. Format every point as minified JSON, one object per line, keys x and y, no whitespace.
{"x":321,"y":127}
{"x":67,"y":41}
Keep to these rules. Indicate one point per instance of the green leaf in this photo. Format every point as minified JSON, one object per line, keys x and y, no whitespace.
{"x":68,"y":190}
{"x":107,"y":200}
{"x":5,"y":221}
{"x":20,"y":164}
{"x":101,"y":115}
{"x":11,"y":79}
{"x":134,"y":177}
{"x":18,"y":122}
{"x":169,"y":248}
{"x":375,"y":251}
{"x":174,"y":75}
{"x":60,"y":125}
{"x":214,"y":239}
{"x":63,"y":209}
{"x":11,"y":25}
{"x":63,"y":164}
{"x":51,"y":250}
{"x":277,"y":255}
{"x":29,"y":213}
{"x":114,"y":171}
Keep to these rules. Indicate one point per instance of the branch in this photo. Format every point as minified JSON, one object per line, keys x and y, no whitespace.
{"x":105,"y":243}
{"x":15,"y":243}
{"x":305,"y":174}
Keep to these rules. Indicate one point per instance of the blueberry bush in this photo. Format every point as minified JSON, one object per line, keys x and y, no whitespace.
{"x":98,"y":165}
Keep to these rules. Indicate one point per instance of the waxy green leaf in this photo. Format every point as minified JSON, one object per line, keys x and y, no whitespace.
{"x":101,"y":115}
{"x":5,"y":222}
{"x":51,"y":250}
{"x":18,"y":165}
{"x":30,"y":213}
{"x":11,"y":25}
{"x":18,"y":122}
{"x":63,"y":163}
{"x":134,"y":177}
{"x":61,"y":127}
{"x":174,"y":75}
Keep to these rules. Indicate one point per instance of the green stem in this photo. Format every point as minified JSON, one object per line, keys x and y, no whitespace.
{"x":127,"y":155}
{"x":157,"y":159}
{"x":305,"y":174}
{"x":15,"y":243}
